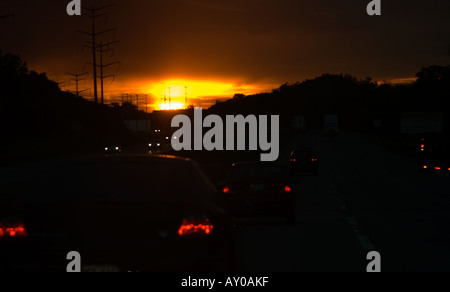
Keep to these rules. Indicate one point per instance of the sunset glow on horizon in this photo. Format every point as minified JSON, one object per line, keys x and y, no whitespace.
{"x":179,"y":93}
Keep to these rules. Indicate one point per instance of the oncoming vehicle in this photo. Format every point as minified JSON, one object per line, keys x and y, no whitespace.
{"x":259,"y":190}
{"x":121,"y":213}
{"x":155,"y":145}
{"x":113,"y":149}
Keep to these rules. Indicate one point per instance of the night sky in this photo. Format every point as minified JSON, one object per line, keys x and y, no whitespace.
{"x":221,"y":47}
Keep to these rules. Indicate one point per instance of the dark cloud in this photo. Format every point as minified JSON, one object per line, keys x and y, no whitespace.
{"x":240,"y":41}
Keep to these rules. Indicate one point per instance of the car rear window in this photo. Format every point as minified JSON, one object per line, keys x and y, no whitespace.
{"x":258,"y":171}
{"x":121,"y":181}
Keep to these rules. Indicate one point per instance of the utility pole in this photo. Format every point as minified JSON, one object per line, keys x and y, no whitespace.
{"x":165,"y":98}
{"x":102,"y":66}
{"x":77,"y":79}
{"x":146,"y":104}
{"x":170,"y":98}
{"x":185,"y":97}
{"x":93,"y":15}
{"x":137,"y":102}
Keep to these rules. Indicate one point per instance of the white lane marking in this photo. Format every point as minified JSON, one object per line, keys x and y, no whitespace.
{"x":351,"y":221}
{"x":365,"y":242}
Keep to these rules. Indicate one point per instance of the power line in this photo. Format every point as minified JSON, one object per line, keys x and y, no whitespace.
{"x":185,"y":97}
{"x":93,"y":15}
{"x":102,"y":66}
{"x":77,"y":79}
{"x":10,"y":16}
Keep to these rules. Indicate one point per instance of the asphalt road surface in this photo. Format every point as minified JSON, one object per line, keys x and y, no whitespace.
{"x":365,"y":199}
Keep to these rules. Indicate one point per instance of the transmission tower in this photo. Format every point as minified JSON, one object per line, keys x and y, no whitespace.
{"x":77,"y":79}
{"x":102,"y":66}
{"x":92,"y":13}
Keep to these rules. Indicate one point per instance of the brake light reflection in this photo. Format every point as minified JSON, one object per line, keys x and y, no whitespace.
{"x":195,"y":227}
{"x":287,"y":189}
{"x":226,"y":190}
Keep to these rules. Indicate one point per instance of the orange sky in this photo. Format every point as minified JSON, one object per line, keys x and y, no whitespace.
{"x":219,"y":48}
{"x":199,"y":92}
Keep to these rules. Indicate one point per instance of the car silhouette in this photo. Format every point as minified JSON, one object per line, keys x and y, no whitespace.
{"x":259,"y":190}
{"x":121,"y":213}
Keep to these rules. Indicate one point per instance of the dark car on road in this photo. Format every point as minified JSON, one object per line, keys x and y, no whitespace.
{"x":304,"y":162}
{"x":120,"y":213}
{"x":256,"y":190}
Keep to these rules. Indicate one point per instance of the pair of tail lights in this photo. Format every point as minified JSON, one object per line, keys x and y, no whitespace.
{"x":313,"y":160}
{"x":287,"y":189}
{"x":12,"y":230}
{"x":195,"y":227}
{"x":188,"y":227}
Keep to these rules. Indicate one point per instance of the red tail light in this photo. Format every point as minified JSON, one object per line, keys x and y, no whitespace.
{"x":226,"y":190}
{"x":425,"y":167}
{"x":195,"y":227}
{"x":437,"y":168}
{"x":287,"y":189}
{"x":293,"y":160}
{"x":12,"y":229}
{"x":314,"y":160}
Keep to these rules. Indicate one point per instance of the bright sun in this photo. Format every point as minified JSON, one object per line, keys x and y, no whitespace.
{"x":177,"y":91}
{"x":171,"y":106}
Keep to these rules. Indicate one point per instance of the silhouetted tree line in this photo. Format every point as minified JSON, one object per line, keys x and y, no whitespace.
{"x":358,"y":102}
{"x":32,"y":107}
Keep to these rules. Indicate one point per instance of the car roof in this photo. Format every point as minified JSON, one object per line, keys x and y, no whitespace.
{"x":157,"y":164}
{"x":257,"y":163}
{"x":308,"y":152}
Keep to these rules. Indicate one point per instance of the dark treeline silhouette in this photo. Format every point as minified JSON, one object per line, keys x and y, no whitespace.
{"x":34,"y":111}
{"x":358,"y":102}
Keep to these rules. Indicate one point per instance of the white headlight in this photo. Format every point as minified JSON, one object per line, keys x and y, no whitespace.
{"x":150,"y":145}
{"x":158,"y":144}
{"x":117,"y":148}
{"x":106,"y":149}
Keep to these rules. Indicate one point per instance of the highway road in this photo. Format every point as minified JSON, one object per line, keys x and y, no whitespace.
{"x":365,"y":199}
